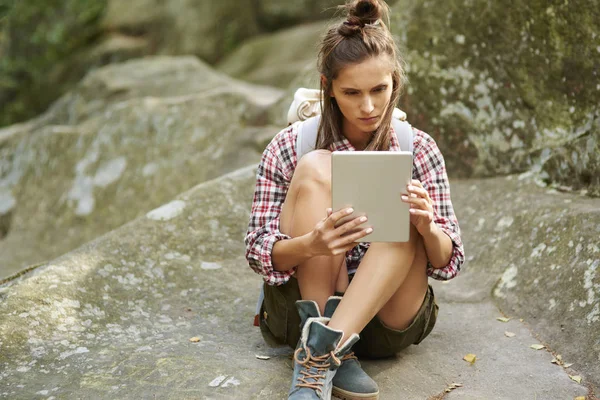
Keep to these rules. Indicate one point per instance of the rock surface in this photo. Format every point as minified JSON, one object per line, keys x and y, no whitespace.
{"x":276,"y":14}
{"x":276,"y":59}
{"x":507,"y":88}
{"x":114,"y":318}
{"x":128,"y":139}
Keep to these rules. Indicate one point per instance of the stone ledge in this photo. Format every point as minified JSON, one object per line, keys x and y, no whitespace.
{"x":113,"y":319}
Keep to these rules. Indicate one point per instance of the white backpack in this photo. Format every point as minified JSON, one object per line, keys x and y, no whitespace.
{"x":305,"y":111}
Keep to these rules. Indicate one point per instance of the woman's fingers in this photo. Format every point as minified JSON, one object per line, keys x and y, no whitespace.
{"x":338,"y":215}
{"x":416,"y":201}
{"x":347,"y":242}
{"x":418,"y":191}
{"x":421,"y":213}
{"x":350,"y":225}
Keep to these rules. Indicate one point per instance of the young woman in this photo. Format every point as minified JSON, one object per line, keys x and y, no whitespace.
{"x":381,"y":289}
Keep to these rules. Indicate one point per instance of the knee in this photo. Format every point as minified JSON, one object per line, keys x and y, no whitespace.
{"x":414,"y":246}
{"x":315,"y":167}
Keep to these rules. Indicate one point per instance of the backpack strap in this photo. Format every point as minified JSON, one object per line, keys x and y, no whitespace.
{"x":306,"y":141}
{"x":404,"y":134}
{"x":307,"y":135}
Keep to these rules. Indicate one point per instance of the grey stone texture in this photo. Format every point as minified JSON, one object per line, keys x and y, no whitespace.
{"x":506,"y":89}
{"x":128,"y":139}
{"x":114,"y":318}
{"x":276,"y":59}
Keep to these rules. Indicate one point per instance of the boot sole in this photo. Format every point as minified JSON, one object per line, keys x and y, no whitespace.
{"x":345,"y":395}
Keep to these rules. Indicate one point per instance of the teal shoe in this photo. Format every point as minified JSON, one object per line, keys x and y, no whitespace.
{"x":350,"y":382}
{"x":316,"y":360}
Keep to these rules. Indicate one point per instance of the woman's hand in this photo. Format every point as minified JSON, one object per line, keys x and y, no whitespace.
{"x":421,"y":207}
{"x":327,"y":240}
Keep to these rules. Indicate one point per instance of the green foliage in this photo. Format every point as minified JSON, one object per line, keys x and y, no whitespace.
{"x":34,"y":37}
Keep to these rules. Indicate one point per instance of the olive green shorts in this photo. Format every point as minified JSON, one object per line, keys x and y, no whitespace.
{"x":280,"y":323}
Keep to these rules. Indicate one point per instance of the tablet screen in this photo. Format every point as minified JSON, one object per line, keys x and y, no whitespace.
{"x":373,"y":182}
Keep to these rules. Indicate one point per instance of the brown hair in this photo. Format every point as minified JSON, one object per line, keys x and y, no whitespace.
{"x":362,"y":35}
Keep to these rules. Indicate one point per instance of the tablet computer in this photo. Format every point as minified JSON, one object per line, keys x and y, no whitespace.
{"x":372,"y":182}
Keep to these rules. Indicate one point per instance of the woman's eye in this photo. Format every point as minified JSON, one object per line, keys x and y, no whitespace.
{"x":350,"y":93}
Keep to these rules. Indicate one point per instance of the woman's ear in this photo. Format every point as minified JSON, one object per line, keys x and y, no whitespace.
{"x":324,"y":85}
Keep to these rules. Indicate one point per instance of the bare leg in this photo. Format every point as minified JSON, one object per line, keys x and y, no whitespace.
{"x":391,"y":282}
{"x":308,"y":196}
{"x":342,"y":281}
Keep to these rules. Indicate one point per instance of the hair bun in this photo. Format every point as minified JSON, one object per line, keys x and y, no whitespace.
{"x":365,"y":11}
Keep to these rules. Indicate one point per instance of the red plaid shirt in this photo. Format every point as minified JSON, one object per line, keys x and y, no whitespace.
{"x":275,"y":173}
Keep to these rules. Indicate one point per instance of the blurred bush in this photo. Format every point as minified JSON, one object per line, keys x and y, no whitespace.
{"x":34,"y":37}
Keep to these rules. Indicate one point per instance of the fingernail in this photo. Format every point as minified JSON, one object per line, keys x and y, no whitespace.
{"x":349,"y":211}
{"x":404,"y":197}
{"x":363,"y":219}
{"x":369,"y":230}
{"x":412,"y":211}
{"x":410,"y":187}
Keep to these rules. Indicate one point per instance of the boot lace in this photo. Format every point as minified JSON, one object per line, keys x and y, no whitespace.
{"x":319,"y":363}
{"x":349,"y":356}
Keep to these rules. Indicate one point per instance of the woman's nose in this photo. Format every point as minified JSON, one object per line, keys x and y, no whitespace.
{"x":367,"y":106}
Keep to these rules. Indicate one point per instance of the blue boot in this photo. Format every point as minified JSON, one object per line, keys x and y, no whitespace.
{"x":317,"y":359}
{"x":350,"y":381}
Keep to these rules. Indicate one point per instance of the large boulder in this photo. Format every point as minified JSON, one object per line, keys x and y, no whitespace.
{"x":127,"y":139}
{"x":207,"y":29}
{"x":162,"y":307}
{"x":506,"y":89}
{"x":537,"y":251}
{"x":277,"y":14}
{"x":276,"y":59}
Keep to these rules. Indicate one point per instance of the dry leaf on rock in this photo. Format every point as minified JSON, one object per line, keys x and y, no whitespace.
{"x":576,"y":378}
{"x":195,"y":339}
{"x":503,"y":319}
{"x":509,"y":334}
{"x":537,"y":346}
{"x":567,"y":365}
{"x":263,"y":357}
{"x":452,"y":387}
{"x":470,"y":358}
{"x":580,"y":398}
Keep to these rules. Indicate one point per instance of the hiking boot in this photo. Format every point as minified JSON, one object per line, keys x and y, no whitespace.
{"x":316,"y":360}
{"x":350,"y":382}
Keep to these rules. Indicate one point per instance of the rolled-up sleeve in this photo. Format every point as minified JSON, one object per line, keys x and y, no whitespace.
{"x":263,"y":229}
{"x":430,"y":169}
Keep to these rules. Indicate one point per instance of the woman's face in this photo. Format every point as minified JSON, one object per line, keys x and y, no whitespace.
{"x":362,"y":92}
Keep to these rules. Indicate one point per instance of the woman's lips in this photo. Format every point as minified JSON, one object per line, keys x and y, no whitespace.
{"x":369,"y":120}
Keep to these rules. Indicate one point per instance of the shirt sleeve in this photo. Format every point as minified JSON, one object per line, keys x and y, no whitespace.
{"x":430,"y":169}
{"x":263,"y":229}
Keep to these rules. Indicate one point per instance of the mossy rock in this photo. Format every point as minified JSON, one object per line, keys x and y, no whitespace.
{"x":498,"y":86}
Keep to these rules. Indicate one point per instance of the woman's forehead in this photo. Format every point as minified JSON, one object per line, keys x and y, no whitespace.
{"x":366,"y":74}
